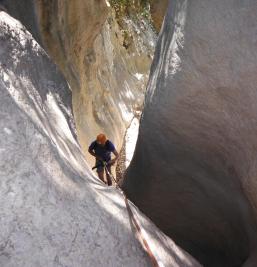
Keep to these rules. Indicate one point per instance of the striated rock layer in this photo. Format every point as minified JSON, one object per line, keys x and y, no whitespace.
{"x":194,"y":170}
{"x":54,"y":212}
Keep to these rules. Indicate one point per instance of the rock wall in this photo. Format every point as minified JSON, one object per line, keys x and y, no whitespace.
{"x":105,"y":59}
{"x":25,"y":11}
{"x":158,"y":10}
{"x":54,"y":211}
{"x":115,"y":82}
{"x":194,"y":169}
{"x":106,"y":63}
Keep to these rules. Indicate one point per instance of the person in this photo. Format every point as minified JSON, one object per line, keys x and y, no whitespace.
{"x":101,"y":149}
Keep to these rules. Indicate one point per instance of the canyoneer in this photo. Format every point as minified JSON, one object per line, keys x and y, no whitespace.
{"x":101,"y":149}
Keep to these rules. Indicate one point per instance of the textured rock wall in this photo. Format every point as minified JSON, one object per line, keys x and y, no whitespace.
{"x":114,"y":85}
{"x":54,"y":212}
{"x":194,"y":169}
{"x":68,"y":30}
{"x":23,"y":10}
{"x":158,"y":10}
{"x":106,"y":65}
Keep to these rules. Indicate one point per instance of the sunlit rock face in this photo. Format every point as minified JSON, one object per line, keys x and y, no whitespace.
{"x":54,"y":212}
{"x":106,"y":65}
{"x":117,"y":72}
{"x":158,"y":10}
{"x":194,"y":170}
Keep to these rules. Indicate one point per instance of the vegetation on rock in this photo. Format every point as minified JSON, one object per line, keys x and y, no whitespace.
{"x":127,"y":7}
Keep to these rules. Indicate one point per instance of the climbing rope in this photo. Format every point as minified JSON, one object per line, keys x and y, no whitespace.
{"x":134,"y":222}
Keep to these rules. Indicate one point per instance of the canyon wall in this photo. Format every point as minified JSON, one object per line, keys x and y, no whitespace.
{"x":158,"y":10}
{"x":105,"y":58}
{"x":54,"y":211}
{"x":194,"y":169}
{"x":105,"y":62}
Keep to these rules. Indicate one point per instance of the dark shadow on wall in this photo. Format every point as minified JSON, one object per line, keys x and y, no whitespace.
{"x":24,"y":11}
{"x":190,"y":164}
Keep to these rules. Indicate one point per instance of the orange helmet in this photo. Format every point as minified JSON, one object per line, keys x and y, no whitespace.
{"x":101,"y":139}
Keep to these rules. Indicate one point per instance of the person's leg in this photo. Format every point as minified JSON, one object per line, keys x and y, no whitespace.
{"x":108,"y":177}
{"x":100,"y":170}
{"x":101,"y":175}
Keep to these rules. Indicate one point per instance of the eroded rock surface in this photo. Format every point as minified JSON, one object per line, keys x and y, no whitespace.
{"x":158,"y":10}
{"x":105,"y":59}
{"x":106,"y":64}
{"x":194,"y":169}
{"x":54,"y":212}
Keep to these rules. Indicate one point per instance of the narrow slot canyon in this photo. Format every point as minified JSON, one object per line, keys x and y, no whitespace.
{"x":174,"y":80}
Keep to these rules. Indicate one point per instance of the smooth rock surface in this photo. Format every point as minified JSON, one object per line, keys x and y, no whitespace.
{"x":106,"y":64}
{"x":53,"y":210}
{"x":194,"y":170}
{"x":105,"y":59}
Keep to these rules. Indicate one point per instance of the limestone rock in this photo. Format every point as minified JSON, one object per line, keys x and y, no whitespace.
{"x":106,"y":65}
{"x":54,"y":211}
{"x":194,"y":169}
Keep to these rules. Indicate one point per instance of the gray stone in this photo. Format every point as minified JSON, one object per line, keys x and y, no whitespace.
{"x":194,"y":170}
{"x":53,"y":210}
